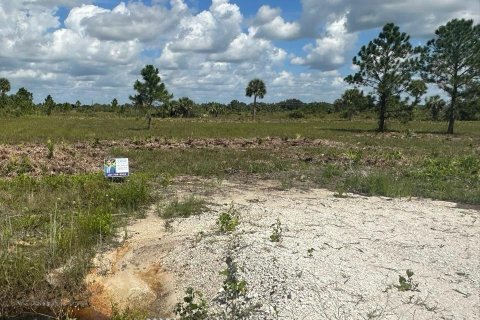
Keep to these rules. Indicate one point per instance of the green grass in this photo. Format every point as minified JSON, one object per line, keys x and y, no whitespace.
{"x":206,"y":162}
{"x":57,"y":222}
{"x":71,"y":129}
{"x":372,"y":172}
{"x":183,"y":208}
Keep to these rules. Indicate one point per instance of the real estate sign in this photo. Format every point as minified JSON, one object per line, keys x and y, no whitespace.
{"x":115,"y":167}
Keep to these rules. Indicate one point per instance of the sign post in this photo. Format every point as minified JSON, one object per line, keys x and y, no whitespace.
{"x":116,"y":168}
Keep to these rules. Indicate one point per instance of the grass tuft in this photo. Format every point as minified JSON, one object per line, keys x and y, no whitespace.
{"x":184,"y":208}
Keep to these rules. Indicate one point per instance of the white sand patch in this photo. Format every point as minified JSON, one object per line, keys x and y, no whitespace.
{"x":337,"y":259}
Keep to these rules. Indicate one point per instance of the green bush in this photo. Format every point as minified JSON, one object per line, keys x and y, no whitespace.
{"x":296,"y":114}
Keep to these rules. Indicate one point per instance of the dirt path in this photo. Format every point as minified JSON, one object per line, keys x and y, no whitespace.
{"x":132,"y":275}
{"x":338,"y":258}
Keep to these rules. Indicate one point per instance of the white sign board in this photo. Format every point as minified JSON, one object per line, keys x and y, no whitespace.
{"x":116,"y":167}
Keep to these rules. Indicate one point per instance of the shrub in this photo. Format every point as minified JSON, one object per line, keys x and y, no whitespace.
{"x":297,"y":114}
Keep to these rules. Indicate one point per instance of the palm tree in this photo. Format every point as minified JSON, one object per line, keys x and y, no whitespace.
{"x":4,"y":86}
{"x":256,"y":88}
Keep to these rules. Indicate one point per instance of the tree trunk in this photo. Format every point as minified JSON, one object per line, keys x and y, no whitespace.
{"x":382,"y":113}
{"x":254,"y":107}
{"x":451,"y":120}
{"x":149,"y":118}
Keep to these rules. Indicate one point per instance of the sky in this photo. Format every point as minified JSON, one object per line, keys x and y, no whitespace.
{"x":93,"y":51}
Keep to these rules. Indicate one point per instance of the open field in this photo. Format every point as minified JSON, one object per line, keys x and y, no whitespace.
{"x":57,"y":210}
{"x":73,"y":128}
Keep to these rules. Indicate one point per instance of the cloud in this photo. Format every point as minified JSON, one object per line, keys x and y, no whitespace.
{"x":284,"y":78}
{"x":71,"y":45}
{"x":78,"y":14}
{"x":266,"y":14}
{"x":209,"y":31}
{"x":306,"y":86}
{"x":21,"y":28}
{"x":54,"y":3}
{"x":40,"y":54}
{"x":328,"y":53}
{"x":135,"y":21}
{"x":269,"y":24}
{"x":245,"y":47}
{"x":418,"y":18}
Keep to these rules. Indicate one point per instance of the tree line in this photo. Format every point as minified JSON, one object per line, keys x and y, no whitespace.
{"x":21,"y":103}
{"x":395,"y":74}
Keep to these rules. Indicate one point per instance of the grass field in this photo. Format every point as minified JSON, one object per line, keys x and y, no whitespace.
{"x":71,"y":129}
{"x":52,"y":224}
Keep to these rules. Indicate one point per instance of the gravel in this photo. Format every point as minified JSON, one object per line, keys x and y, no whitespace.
{"x":337,"y":258}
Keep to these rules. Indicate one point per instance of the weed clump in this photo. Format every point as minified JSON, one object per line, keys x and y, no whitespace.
{"x":407,"y":284}
{"x":50,"y":148}
{"x":185,"y":208}
{"x":228,"y":221}
{"x":17,"y":166}
{"x":193,"y":306}
{"x":277,"y":230}
{"x":234,"y":295}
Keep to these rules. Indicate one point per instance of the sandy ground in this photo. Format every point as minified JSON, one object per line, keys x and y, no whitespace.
{"x":338,"y":258}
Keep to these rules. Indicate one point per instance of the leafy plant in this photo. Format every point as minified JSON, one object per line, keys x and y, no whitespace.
{"x":193,"y":307}
{"x":405,"y":284}
{"x":50,"y":148}
{"x":228,"y":221}
{"x":234,"y":294}
{"x":466,"y":167}
{"x":232,"y":285}
{"x":276,"y":235}
{"x":310,"y":252}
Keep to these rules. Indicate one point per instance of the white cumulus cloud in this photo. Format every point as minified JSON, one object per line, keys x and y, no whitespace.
{"x":209,"y":31}
{"x":328,"y":52}
{"x":245,"y":47}
{"x":135,"y":21}
{"x":269,"y":24}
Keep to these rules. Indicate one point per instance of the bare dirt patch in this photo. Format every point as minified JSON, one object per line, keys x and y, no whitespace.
{"x":32,"y":159}
{"x":338,"y":258}
{"x":82,"y":157}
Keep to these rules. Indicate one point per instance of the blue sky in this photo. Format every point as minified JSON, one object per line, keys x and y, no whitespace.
{"x":206,"y":50}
